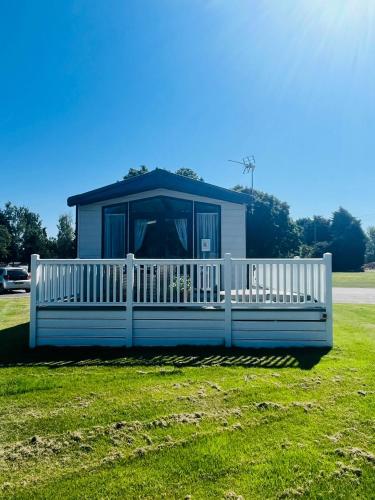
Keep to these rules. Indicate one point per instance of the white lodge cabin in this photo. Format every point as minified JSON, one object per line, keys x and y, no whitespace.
{"x":161,"y":215}
{"x":161,"y":261}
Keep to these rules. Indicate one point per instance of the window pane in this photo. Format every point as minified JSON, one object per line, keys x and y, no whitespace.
{"x":114,"y":232}
{"x":207,"y":231}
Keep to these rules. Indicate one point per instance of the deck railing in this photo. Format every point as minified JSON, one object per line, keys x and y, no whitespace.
{"x":226,"y":284}
{"x":182,"y":283}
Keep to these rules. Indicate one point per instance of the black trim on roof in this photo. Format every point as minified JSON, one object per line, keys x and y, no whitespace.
{"x":158,"y":179}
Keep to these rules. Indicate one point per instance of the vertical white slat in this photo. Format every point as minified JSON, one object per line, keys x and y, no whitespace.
{"x":218,"y":284}
{"x":284,"y":282}
{"x":41,"y":285}
{"x":192,"y":271}
{"x":158,"y":273}
{"x":107,"y":283}
{"x":212,"y":282}
{"x":185,"y":284}
{"x":171,"y":279}
{"x":204,"y":282}
{"x":243,"y":279}
{"x":88,"y":283}
{"x":45,"y":278}
{"x":250,"y":282}
{"x":257,"y":283}
{"x":81,"y":283}
{"x":94,"y":282}
{"x":121,"y":285}
{"x":165,"y":283}
{"x":264,"y":282}
{"x":291,"y":265}
{"x":74,"y":270}
{"x":101,"y":283}
{"x":319,"y":291}
{"x":178,"y":284}
{"x":145,"y":269}
{"x":278,"y":282}
{"x":151,"y":283}
{"x":236,"y":285}
{"x":114,"y":283}
{"x":68,"y":281}
{"x":304,"y":283}
{"x":138,"y":280}
{"x":312,"y":282}
{"x":298,"y":283}
{"x":271,"y":282}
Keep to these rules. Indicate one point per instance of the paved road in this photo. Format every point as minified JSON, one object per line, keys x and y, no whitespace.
{"x":354,"y":295}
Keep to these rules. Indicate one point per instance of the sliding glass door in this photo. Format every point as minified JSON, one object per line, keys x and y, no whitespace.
{"x":161,"y":227}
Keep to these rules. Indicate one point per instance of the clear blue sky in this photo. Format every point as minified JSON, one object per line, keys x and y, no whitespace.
{"x":91,"y":88}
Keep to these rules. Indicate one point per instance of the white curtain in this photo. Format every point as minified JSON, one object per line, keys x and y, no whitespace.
{"x":140,"y":227}
{"x":114,"y":236}
{"x":181,"y":228}
{"x":208,"y":228}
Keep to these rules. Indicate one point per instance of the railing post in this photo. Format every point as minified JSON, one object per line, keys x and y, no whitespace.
{"x":33,"y":299}
{"x":328,"y":298}
{"x":129,"y":297}
{"x":228,"y":299}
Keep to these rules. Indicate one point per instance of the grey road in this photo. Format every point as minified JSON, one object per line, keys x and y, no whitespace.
{"x":354,"y":295}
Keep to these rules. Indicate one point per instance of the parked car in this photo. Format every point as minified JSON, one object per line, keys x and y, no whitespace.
{"x":14,"y":278}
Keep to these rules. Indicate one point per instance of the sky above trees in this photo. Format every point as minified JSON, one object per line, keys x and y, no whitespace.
{"x":91,"y":88}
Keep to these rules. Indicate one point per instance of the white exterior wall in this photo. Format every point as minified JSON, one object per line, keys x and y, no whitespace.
{"x":233,"y":223}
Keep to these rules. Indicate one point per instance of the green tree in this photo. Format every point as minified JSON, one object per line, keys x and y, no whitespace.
{"x":270,"y":230}
{"x":26,"y":231}
{"x":5,"y":239}
{"x":370,"y":245}
{"x":134,"y":172}
{"x":188,"y":172}
{"x":65,"y":241}
{"x":348,"y":242}
{"x":314,"y":230}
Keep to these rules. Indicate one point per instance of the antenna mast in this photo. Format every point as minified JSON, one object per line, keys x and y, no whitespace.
{"x":248,"y":164}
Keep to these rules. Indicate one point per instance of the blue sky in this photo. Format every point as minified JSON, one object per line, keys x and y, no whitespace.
{"x":91,"y":88}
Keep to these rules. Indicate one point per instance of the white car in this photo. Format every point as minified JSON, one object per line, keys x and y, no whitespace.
{"x":14,"y":278}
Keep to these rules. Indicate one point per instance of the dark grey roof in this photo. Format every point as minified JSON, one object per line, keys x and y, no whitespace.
{"x":157,"y":179}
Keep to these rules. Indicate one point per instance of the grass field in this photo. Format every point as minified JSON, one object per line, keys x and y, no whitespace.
{"x":180,"y":423}
{"x":354,"y":280}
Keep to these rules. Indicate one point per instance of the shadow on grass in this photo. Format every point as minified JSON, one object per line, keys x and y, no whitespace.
{"x":14,"y":351}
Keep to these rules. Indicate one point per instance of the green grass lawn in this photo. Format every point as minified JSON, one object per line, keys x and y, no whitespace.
{"x":354,"y":280}
{"x":173,"y":423}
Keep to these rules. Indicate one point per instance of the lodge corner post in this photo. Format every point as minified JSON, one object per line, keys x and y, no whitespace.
{"x":328,"y":277}
{"x":33,"y":299}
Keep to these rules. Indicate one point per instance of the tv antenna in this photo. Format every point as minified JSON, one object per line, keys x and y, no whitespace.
{"x":248,"y":164}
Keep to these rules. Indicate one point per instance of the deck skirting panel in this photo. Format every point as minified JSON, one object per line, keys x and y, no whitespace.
{"x":171,"y":327}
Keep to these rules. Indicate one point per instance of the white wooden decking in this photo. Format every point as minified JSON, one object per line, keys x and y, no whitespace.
{"x":132,"y":302}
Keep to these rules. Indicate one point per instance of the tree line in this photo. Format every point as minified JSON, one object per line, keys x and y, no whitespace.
{"x":22,"y":233}
{"x":271,"y":232}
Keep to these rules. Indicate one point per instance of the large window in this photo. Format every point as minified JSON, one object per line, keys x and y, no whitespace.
{"x":114,"y":231}
{"x":161,"y":227}
{"x":207,"y":231}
